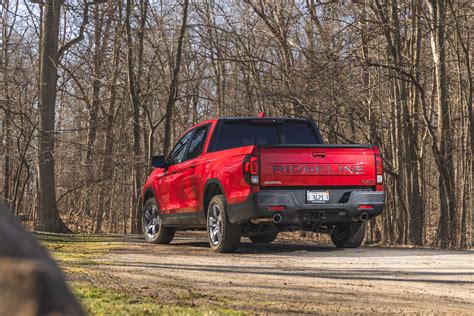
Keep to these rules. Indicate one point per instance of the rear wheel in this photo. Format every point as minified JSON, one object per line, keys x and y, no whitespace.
{"x":349,"y":235}
{"x":264,"y":238}
{"x":153,"y":228}
{"x":223,"y":235}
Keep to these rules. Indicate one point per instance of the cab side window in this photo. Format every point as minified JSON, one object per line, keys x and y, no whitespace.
{"x":197,"y":142}
{"x":179,"y":151}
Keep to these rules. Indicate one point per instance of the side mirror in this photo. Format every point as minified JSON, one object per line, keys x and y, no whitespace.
{"x":158,"y":161}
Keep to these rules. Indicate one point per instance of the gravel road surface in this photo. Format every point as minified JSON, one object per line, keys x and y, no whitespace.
{"x":291,"y":277}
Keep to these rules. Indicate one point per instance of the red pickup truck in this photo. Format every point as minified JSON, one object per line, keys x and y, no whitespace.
{"x":257,"y":176}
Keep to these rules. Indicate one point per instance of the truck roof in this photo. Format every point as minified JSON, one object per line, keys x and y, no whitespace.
{"x":236,"y":118}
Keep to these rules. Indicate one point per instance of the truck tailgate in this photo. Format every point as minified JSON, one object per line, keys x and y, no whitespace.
{"x":317,"y":165}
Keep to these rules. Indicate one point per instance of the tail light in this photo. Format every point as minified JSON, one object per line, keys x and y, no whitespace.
{"x":251,"y":170}
{"x":379,"y":169}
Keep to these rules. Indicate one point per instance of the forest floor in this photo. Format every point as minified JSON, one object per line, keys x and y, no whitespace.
{"x":124,"y":275}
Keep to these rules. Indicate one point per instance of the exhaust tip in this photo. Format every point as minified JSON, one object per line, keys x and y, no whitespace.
{"x":364,"y":217}
{"x":277,"y":218}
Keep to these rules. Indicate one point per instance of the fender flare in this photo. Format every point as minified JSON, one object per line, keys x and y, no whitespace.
{"x":208,"y":183}
{"x":147,"y":192}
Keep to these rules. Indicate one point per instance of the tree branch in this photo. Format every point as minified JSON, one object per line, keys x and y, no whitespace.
{"x":82,"y":28}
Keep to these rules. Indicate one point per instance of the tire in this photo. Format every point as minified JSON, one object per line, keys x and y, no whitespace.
{"x":264,"y":238}
{"x":349,"y":235}
{"x":153,"y":229}
{"x":223,"y":236}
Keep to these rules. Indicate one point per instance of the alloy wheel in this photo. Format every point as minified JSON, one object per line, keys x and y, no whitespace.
{"x":151,"y":222}
{"x":214,"y":224}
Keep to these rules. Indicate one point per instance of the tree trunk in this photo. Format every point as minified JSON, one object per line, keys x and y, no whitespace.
{"x":6,"y":126}
{"x":93,"y":107}
{"x":48,"y":214}
{"x":108,"y":149}
{"x":135,"y":91}
{"x":466,"y":201}
{"x":448,"y":223}
{"x":173,"y":90}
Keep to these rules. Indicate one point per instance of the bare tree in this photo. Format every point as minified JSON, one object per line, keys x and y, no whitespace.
{"x":48,"y":214}
{"x":173,"y":89}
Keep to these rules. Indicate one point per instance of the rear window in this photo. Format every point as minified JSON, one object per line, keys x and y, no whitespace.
{"x":232,"y":134}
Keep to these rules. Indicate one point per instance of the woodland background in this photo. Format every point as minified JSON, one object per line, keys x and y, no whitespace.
{"x":91,"y":89}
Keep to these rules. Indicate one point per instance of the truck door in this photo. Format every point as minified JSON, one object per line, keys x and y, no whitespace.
{"x":170,"y":182}
{"x":189,"y":193}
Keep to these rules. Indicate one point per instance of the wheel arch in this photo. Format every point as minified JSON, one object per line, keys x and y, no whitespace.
{"x":148,"y":194}
{"x":211,"y":188}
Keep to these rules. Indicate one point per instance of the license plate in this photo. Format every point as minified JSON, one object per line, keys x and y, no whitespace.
{"x":317,"y":196}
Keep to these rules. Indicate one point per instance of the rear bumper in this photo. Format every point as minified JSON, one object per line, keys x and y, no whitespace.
{"x":341,"y":208}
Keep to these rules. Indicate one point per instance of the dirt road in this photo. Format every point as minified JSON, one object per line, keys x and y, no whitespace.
{"x":287,"y":277}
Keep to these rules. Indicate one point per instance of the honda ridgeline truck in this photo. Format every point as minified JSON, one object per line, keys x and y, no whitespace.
{"x":255,"y":177}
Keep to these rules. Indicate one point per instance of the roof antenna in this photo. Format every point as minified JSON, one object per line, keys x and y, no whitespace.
{"x":261,"y":114}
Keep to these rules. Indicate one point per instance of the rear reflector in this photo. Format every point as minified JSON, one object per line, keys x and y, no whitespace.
{"x":365,"y":206}
{"x":276,"y":207}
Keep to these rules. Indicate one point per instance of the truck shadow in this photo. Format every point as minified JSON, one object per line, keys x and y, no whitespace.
{"x":281,"y":248}
{"x":321,"y":250}
{"x":272,"y":248}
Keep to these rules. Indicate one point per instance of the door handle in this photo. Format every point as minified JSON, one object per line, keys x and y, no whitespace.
{"x":319,"y":155}
{"x":192,"y":166}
